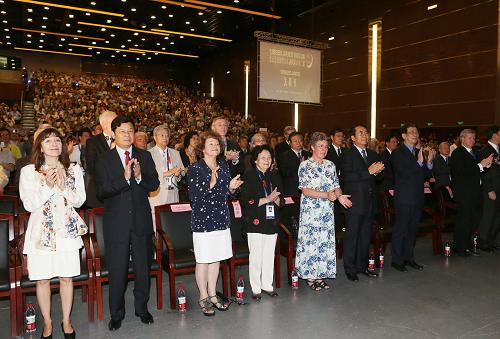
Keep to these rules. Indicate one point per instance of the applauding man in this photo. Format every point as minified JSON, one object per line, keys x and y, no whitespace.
{"x":359,"y":169}
{"x":125,"y":177}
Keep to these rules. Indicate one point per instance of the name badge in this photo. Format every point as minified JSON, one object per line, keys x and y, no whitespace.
{"x":170,"y":184}
{"x":269,"y":212}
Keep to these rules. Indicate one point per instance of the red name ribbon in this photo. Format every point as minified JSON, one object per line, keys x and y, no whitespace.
{"x":236,"y":209}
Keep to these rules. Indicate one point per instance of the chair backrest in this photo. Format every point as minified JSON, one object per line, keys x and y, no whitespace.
{"x":175,"y":221}
{"x":9,"y":204}
{"x":386,"y":205}
{"x":96,"y":218}
{"x":237,"y":225}
{"x":290,"y":214}
{"x":6,"y":234}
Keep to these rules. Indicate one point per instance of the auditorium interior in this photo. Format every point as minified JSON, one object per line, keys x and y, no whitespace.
{"x":331,"y":66}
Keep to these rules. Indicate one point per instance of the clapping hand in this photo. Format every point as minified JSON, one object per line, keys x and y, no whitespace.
{"x":486,"y":162}
{"x":60,"y":178}
{"x":128,"y":170}
{"x":51,"y":177}
{"x":235,"y":183}
{"x":137,"y":168}
{"x":376,"y":167}
{"x":345,"y":201}
{"x":274,"y":195}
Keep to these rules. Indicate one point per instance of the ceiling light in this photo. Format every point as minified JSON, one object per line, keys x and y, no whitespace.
{"x":87,"y":14}
{"x":71,"y":16}
{"x":107,"y":42}
{"x":47,"y":51}
{"x":166,"y":53}
{"x":8,"y":37}
{"x":149,"y":58}
{"x":170,"y":15}
{"x":171,"y":42}
{"x":182,"y":37}
{"x":28,"y":41}
{"x":117,"y":50}
{"x":112,"y":55}
{"x":129,"y":40}
{"x":103,"y":29}
{"x":112,"y":35}
{"x":30,"y":20}
{"x":97,"y":52}
{"x":45,"y":18}
{"x":136,"y":45}
{"x":236,"y":9}
{"x":187,"y":22}
{"x":192,"y":35}
{"x":70,"y":49}
{"x":205,"y":21}
{"x":137,"y":59}
{"x":54,"y":33}
{"x":124,"y":0}
{"x":163,"y":48}
{"x":166,"y":38}
{"x":108,"y":21}
{"x":182,"y":4}
{"x":236,"y":1}
{"x":136,"y":33}
{"x":143,"y":26}
{"x":153,"y":17}
{"x":68,"y":24}
{"x":43,"y":26}
{"x":125,"y":19}
{"x":331,"y":38}
{"x":28,"y":35}
{"x":62,"y":39}
{"x":123,"y":28}
{"x":8,"y":43}
{"x":40,"y":46}
{"x":161,"y":25}
{"x":41,"y":40}
{"x":219,"y":12}
{"x":133,"y":9}
{"x":46,"y":8}
{"x":79,"y":31}
{"x":122,"y":46}
{"x":143,"y":39}
{"x":192,"y":29}
{"x":163,"y":7}
{"x":69,"y":7}
{"x":30,"y":10}
{"x":200,"y":13}
{"x":93,"y":42}
{"x":124,"y":55}
{"x":432,"y":7}
{"x":92,"y":3}
{"x":75,"y":38}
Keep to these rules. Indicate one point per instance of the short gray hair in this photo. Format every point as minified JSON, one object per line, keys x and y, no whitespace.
{"x":317,"y":137}
{"x":158,"y":128}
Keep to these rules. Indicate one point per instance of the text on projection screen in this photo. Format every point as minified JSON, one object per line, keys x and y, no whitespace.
{"x":289,"y":73}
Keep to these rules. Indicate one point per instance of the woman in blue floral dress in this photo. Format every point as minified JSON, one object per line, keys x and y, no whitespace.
{"x":316,"y":257}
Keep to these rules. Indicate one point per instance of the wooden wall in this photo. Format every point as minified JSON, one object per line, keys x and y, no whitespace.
{"x":438,"y":66}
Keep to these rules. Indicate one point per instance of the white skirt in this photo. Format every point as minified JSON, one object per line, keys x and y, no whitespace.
{"x":213,"y":246}
{"x":49,"y":264}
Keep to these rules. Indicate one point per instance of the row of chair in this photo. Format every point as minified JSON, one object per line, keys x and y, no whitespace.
{"x":173,"y":248}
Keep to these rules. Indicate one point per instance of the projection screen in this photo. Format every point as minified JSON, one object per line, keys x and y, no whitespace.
{"x":289,"y":73}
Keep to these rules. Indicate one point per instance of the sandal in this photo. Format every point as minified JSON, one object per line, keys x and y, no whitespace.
{"x":313,"y":285}
{"x":206,"y":307}
{"x":218,"y":304}
{"x":321,"y":283}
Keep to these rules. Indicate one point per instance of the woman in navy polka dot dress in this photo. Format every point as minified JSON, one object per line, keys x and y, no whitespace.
{"x":209,"y":185}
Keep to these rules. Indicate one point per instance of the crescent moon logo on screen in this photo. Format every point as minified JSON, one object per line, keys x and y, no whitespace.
{"x":309,"y":60}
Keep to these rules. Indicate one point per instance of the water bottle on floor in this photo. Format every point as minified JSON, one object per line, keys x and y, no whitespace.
{"x":240,"y":289}
{"x":371,"y":262}
{"x":295,"y":279}
{"x":30,"y":319}
{"x":181,"y":297}
{"x":447,"y":249}
{"x":381,"y":259}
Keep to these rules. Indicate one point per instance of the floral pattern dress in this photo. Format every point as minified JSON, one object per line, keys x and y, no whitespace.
{"x":316,"y":255}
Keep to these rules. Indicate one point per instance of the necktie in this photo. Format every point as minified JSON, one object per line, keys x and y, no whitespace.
{"x":168,"y":159}
{"x":446,"y":160}
{"x":339,"y":152}
{"x":472,"y":153}
{"x":127,"y":157}
{"x":365,"y":158}
{"x":299,"y":154}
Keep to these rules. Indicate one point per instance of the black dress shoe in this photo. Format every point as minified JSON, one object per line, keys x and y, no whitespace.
{"x":114,"y":324}
{"x":414,"y":265}
{"x":257,"y":296}
{"x":352,"y":277}
{"x":146,"y":318}
{"x":474,"y":253}
{"x":464,"y":254}
{"x":272,"y":293}
{"x":47,"y":337}
{"x":71,"y":335}
{"x":370,"y":274}
{"x":400,"y":268}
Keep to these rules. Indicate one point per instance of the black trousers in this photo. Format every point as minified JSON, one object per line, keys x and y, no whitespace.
{"x":118,"y":253}
{"x":489,"y":227}
{"x":405,"y":231}
{"x":357,"y":240}
{"x":467,"y":221}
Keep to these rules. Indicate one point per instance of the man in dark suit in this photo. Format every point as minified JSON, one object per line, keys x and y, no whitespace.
{"x":391,"y":143}
{"x":466,"y":176}
{"x":441,"y":166}
{"x":288,"y":165}
{"x":231,"y":151}
{"x":334,"y":153}
{"x":410,"y":166}
{"x":95,"y":148}
{"x":284,"y":145}
{"x":359,"y":168}
{"x":125,"y":177}
{"x":489,"y":227}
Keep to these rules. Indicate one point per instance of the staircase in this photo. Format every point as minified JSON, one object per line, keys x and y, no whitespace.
{"x":28,"y":120}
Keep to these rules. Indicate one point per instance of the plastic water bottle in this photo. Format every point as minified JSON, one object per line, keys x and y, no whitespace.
{"x":240,"y":289}
{"x":381,"y":259}
{"x":474,"y":243}
{"x":30,"y":319}
{"x":295,"y":279}
{"x":371,"y":261}
{"x":181,"y":297}
{"x":447,"y":249}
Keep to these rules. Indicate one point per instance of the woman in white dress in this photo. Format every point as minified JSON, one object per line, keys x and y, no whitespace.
{"x":50,"y":188}
{"x":170,"y":170}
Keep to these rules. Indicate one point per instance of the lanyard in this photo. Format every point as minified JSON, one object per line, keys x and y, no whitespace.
{"x":168,"y":159}
{"x":262,"y":179}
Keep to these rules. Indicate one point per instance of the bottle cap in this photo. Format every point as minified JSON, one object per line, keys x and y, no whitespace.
{"x":241,"y":277}
{"x":30,"y":305}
